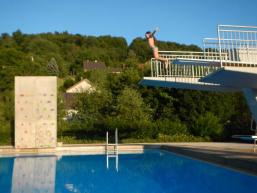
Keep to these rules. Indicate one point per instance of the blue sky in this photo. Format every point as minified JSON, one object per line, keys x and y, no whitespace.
{"x":182,"y":21}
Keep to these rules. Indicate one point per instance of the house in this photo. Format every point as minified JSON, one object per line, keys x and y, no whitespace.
{"x":93,"y":65}
{"x":81,"y":87}
{"x":71,"y":96}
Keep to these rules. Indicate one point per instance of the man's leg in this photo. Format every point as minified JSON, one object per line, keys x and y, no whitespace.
{"x":157,"y":57}
{"x":163,"y":60}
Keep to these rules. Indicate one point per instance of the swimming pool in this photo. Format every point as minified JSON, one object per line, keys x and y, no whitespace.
{"x":154,"y":171}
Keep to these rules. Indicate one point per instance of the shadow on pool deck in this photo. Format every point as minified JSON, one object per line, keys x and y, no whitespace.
{"x":238,"y":159}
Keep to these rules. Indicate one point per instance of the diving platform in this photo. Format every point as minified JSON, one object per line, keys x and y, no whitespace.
{"x":227,"y":63}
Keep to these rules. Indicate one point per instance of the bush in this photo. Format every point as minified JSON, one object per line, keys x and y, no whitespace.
{"x":171,"y":127}
{"x":181,"y":138}
{"x":67,"y":84}
{"x":161,"y":138}
{"x":207,"y":125}
{"x":152,"y":130}
{"x":74,"y":140}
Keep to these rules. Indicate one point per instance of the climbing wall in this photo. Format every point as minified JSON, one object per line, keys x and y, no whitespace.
{"x":35,"y":111}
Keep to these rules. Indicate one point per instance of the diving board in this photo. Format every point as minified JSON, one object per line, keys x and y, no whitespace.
{"x":202,"y":62}
{"x":240,"y":77}
{"x":245,"y":137}
{"x":185,"y":83}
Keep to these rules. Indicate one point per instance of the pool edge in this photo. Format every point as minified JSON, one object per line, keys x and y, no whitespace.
{"x":241,"y":160}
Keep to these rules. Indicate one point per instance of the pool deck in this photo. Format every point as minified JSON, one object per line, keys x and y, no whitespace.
{"x":236,"y":156}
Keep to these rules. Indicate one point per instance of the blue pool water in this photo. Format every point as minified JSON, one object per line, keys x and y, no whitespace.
{"x":155,"y":171}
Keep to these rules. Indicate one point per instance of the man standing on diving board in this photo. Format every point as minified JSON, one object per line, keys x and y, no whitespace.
{"x":151,"y":41}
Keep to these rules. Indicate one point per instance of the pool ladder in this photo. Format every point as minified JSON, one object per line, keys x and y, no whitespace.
{"x":114,"y":152}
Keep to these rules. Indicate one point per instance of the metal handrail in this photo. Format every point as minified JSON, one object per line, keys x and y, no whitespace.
{"x":158,"y":69}
{"x":238,"y":26}
{"x":240,"y":42}
{"x":116,"y":151}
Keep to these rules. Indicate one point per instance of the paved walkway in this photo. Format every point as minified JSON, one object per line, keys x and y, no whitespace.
{"x":237,"y":156}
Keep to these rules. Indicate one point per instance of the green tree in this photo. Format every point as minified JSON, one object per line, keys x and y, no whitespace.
{"x":52,"y":67}
{"x":207,"y":125}
{"x":68,"y":82}
{"x":131,"y":60}
{"x":92,"y":108}
{"x":131,"y":107}
{"x":140,"y":48}
{"x":18,"y":37}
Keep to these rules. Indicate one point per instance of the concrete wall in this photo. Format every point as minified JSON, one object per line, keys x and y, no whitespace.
{"x":35,"y":111}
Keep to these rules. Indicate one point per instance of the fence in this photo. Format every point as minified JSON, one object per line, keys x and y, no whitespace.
{"x":240,"y":45}
{"x":159,"y":69}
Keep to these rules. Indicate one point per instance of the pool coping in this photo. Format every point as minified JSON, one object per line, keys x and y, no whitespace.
{"x":76,"y":149}
{"x":234,"y":156}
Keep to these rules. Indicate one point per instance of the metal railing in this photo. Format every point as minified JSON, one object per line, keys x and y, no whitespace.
{"x":112,"y":153}
{"x":211,"y":50}
{"x":240,"y":44}
{"x":172,"y":55}
{"x":158,"y":69}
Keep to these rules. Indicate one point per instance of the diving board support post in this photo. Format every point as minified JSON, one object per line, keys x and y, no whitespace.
{"x":252,"y":123}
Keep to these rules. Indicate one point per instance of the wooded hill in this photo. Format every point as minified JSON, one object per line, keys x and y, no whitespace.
{"x":140,"y":113}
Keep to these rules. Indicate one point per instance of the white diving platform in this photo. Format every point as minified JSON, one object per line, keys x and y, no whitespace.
{"x":227,"y":63}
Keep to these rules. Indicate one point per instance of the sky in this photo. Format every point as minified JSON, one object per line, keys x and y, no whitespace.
{"x":182,"y":21}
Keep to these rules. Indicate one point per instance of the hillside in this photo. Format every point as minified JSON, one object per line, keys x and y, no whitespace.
{"x":141,"y":114}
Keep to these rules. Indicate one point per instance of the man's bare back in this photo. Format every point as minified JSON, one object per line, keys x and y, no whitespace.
{"x":151,"y":42}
